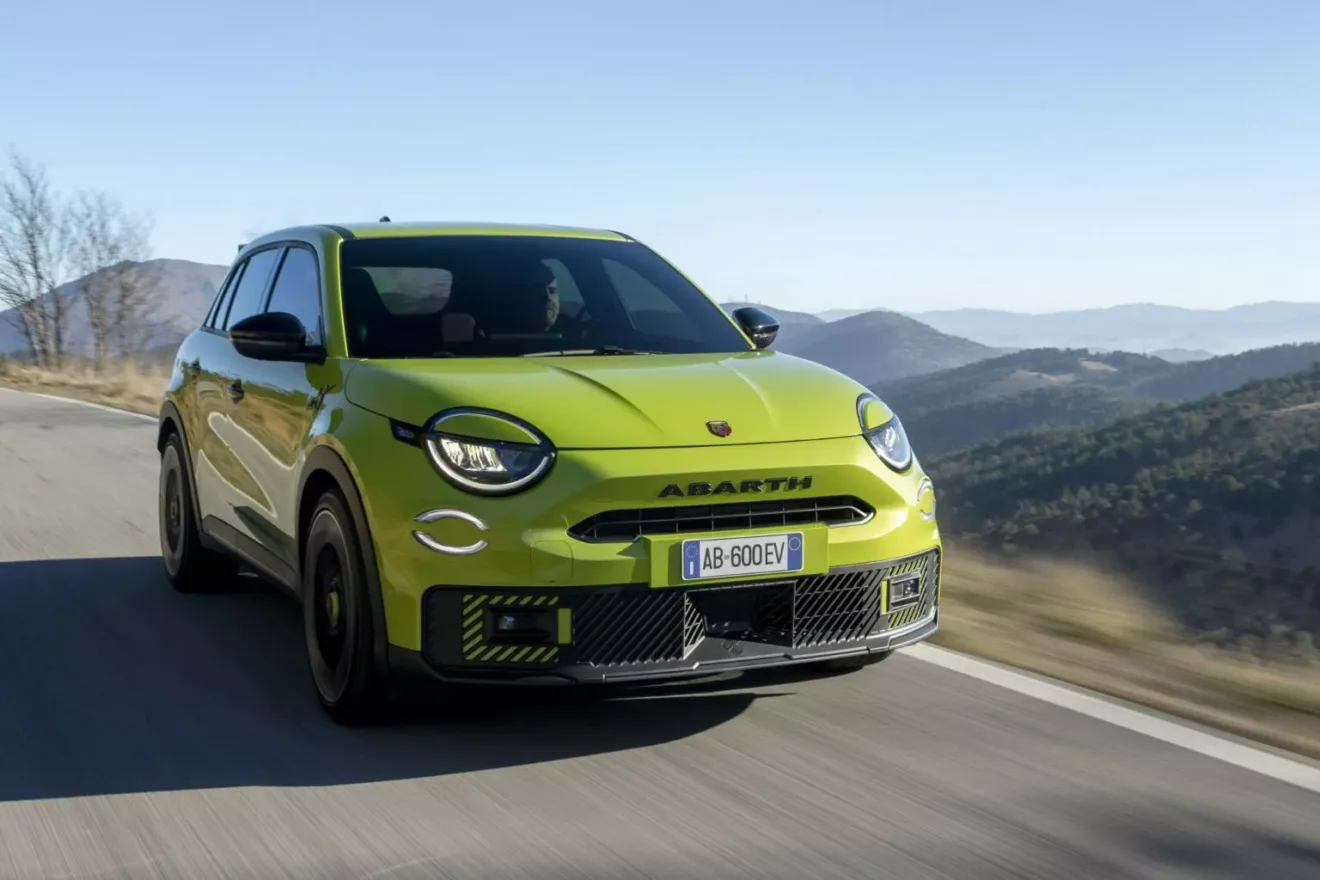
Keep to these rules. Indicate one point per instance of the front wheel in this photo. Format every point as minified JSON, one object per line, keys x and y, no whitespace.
{"x":337,"y":617}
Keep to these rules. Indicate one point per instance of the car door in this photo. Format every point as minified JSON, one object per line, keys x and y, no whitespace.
{"x":273,"y":418}
{"x":189,"y":361}
{"x":224,"y":483}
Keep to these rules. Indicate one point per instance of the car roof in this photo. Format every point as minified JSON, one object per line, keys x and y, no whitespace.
{"x":387,"y":229}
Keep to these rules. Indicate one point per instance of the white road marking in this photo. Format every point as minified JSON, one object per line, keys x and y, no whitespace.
{"x":1265,"y":763}
{"x":110,"y":409}
{"x":1257,"y":760}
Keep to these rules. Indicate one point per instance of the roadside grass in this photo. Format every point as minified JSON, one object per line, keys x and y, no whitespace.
{"x":125,"y":385}
{"x":1094,"y":629}
{"x":1054,"y":617}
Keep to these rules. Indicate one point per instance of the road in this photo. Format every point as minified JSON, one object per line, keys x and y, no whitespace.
{"x":149,"y":734}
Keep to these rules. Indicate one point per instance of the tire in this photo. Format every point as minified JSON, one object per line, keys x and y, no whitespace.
{"x":190,"y":567}
{"x":337,"y":617}
{"x":853,"y":664}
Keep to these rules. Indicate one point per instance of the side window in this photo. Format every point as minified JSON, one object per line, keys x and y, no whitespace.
{"x":217,"y":314}
{"x":651,"y":311}
{"x":297,"y":291}
{"x":252,"y":286}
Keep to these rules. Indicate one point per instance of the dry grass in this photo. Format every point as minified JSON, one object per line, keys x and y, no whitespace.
{"x":1056,"y":618}
{"x":124,"y":385}
{"x":1093,"y":629}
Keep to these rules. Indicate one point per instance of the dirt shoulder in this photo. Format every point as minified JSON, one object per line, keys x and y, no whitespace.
{"x":1053,"y":618}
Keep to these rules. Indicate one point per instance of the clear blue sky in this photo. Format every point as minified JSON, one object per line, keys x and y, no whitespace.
{"x":1024,"y":155}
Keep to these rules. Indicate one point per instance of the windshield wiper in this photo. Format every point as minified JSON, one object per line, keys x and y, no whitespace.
{"x":569,"y":352}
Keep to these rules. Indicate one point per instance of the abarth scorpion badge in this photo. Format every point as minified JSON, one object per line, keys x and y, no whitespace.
{"x":719,"y":429}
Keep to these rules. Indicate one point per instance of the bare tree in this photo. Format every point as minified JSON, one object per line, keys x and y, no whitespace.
{"x":33,"y":259}
{"x":137,"y":296}
{"x":109,"y":248}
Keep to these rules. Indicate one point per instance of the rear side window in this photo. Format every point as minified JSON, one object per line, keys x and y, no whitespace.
{"x":297,"y":291}
{"x":252,"y":286}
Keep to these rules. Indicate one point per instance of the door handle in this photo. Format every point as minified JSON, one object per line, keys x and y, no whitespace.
{"x":235,"y":391}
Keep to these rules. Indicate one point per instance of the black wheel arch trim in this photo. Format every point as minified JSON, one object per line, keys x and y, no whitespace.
{"x":170,"y":417}
{"x":324,"y":459}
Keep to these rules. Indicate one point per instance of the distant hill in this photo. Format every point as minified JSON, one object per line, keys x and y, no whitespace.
{"x":1214,"y":504}
{"x":938,"y":430}
{"x":838,"y":314}
{"x":1198,"y":378}
{"x":1140,"y":327}
{"x":186,"y":289}
{"x":1183,"y":355}
{"x":957,"y":408}
{"x":882,"y":346}
{"x":1040,"y":388}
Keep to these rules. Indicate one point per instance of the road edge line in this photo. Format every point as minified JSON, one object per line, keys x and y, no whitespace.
{"x":100,"y":406}
{"x":1082,"y":701}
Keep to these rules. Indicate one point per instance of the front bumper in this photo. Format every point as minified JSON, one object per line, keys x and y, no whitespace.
{"x":636,"y":633}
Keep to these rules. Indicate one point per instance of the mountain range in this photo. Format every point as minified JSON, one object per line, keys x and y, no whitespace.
{"x":1172,"y":332}
{"x":875,"y":347}
{"x":1138,"y":327}
{"x":1045,"y":388}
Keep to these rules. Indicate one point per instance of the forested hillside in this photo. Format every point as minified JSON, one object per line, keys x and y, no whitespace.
{"x":1215,"y":503}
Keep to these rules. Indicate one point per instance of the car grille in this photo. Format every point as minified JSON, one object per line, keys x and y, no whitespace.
{"x":617,"y":626}
{"x":629,"y":525}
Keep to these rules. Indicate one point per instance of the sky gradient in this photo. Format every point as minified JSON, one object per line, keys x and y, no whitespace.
{"x":813,"y":155}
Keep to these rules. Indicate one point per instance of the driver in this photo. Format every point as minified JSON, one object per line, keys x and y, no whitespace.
{"x":531,"y":300}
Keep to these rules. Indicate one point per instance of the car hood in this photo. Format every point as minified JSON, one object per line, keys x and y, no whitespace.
{"x":624,"y":401}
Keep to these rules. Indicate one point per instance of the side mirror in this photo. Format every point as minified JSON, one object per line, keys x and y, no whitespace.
{"x":757,"y":324}
{"x":274,"y":336}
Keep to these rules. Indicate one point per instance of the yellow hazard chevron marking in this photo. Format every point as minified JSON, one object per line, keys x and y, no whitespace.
{"x":904,"y":616}
{"x":474,"y":644}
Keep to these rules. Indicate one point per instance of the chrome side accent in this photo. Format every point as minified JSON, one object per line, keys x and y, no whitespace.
{"x":926,"y":486}
{"x":430,"y":543}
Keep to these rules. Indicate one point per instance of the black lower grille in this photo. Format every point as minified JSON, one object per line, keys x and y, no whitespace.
{"x":631,"y":627}
{"x":618,"y":626}
{"x":629,"y":525}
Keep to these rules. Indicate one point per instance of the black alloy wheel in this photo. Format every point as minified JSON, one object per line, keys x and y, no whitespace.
{"x":337,"y":617}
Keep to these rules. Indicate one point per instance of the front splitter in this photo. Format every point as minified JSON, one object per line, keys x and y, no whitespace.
{"x":712,"y":657}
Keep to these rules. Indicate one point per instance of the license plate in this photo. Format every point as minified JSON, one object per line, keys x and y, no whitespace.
{"x":736,"y":557}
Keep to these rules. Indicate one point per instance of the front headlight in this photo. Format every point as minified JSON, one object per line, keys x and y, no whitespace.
{"x":484,"y":466}
{"x":887,"y":438}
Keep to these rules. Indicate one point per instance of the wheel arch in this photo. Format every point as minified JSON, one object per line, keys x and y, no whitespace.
{"x":171,"y":422}
{"x":325,"y":469}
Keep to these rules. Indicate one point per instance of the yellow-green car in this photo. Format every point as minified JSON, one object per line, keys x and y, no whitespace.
{"x":532,"y":455}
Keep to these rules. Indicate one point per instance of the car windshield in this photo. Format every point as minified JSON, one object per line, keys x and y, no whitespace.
{"x":528,"y":296}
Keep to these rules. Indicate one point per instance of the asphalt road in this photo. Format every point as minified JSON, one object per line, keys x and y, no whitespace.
{"x":149,"y":734}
